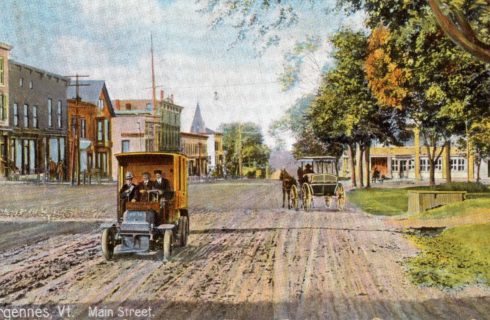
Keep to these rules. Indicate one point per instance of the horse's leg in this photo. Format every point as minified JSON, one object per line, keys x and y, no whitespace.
{"x":289,"y":199}
{"x":283,"y":196}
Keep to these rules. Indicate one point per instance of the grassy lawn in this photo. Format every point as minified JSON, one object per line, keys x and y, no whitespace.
{"x":458,"y":256}
{"x":391,"y":202}
{"x":388,"y":202}
{"x":467,"y":207}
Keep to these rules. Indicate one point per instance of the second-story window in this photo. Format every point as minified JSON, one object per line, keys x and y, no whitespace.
{"x":50,"y":112}
{"x":83,"y":128}
{"x":100,"y":130}
{"x":100,"y":104}
{"x":3,"y":107}
{"x":31,"y":84}
{"x":125,"y":145}
{"x":21,"y":82}
{"x":58,"y":114}
{"x":34,"y":117}
{"x":16,"y":115}
{"x":2,"y":79}
{"x":26,"y":116}
{"x":107,"y":129}
{"x":74,"y":126}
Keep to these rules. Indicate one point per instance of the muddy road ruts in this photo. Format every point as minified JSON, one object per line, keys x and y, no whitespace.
{"x":247,"y":258}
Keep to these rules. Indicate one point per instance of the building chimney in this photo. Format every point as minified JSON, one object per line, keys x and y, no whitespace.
{"x":162,"y":95}
{"x":172,"y":98}
{"x":118,"y":104}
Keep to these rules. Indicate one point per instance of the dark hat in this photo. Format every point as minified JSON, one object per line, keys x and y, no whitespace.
{"x":146,"y":174}
{"x":157,"y":171}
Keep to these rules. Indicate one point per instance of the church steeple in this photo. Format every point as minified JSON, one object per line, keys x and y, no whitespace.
{"x":198,"y":125}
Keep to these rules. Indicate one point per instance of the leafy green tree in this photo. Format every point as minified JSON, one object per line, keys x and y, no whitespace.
{"x":244,"y":141}
{"x":345,"y":112}
{"x":480,"y":142}
{"x":413,"y":66}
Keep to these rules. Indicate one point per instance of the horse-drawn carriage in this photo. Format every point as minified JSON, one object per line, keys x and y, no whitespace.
{"x":157,"y":220}
{"x":317,"y":178}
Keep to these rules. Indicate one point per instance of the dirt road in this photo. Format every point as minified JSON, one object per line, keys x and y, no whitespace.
{"x":247,"y":259}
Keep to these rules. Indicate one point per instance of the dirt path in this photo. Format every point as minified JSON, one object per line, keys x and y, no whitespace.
{"x":246,"y":259}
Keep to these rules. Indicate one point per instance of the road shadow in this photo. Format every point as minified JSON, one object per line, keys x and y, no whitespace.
{"x":328,"y":306}
{"x":15,"y":234}
{"x":273,"y":229}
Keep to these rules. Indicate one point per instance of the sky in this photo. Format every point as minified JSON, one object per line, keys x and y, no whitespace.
{"x":110,"y":40}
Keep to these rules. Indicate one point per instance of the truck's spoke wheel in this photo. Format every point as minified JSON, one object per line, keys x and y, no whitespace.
{"x":108,"y":244}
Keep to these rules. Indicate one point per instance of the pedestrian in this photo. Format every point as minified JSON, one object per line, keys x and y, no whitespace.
{"x":60,"y":170}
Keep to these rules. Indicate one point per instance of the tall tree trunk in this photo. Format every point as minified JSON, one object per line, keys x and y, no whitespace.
{"x":448,"y":161}
{"x":368,"y":167}
{"x":360,"y":166}
{"x":337,"y":159}
{"x":432,"y":155}
{"x":478,"y":165}
{"x":432,"y":176}
{"x":352,"y":159}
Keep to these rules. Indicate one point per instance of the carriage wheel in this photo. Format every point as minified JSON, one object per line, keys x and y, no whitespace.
{"x":341,"y":197}
{"x":183,"y":230}
{"x":294,"y":197}
{"x":307,"y":196}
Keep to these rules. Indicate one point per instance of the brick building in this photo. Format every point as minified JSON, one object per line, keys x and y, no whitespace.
{"x":195,"y":147}
{"x":140,"y":127}
{"x":5,"y":128}
{"x":33,"y":118}
{"x":92,"y":116}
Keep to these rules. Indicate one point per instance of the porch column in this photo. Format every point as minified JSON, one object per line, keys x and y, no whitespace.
{"x":471,"y":163}
{"x":389,"y":173}
{"x":446,"y":165}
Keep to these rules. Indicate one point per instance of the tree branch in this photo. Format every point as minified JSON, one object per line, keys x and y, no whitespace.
{"x":463,"y":37}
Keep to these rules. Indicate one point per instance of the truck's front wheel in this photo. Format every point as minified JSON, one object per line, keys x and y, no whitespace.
{"x":108,"y":243}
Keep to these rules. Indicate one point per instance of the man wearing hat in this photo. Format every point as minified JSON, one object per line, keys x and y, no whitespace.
{"x":129,"y":191}
{"x":161,"y":184}
{"x":145,"y":186}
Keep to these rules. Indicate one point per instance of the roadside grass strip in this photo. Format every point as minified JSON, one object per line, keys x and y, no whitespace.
{"x":457,"y":257}
{"x":465,"y":208}
{"x":388,"y":202}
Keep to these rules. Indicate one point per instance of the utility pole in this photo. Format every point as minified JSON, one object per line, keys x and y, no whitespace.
{"x":153,"y":87}
{"x":240,"y":149}
{"x":75,"y":161}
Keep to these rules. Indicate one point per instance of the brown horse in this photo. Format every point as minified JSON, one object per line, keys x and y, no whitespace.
{"x":287,"y":182}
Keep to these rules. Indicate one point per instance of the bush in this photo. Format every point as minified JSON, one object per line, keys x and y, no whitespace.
{"x":251,"y":174}
{"x":470,"y":187}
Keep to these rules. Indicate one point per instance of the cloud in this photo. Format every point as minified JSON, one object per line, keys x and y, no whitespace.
{"x":127,"y":13}
{"x":109,"y":40}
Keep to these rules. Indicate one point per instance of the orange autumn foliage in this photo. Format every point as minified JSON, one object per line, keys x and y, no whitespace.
{"x":385,"y":78}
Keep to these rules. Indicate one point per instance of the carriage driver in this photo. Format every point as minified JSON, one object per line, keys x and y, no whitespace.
{"x":129,"y":191}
